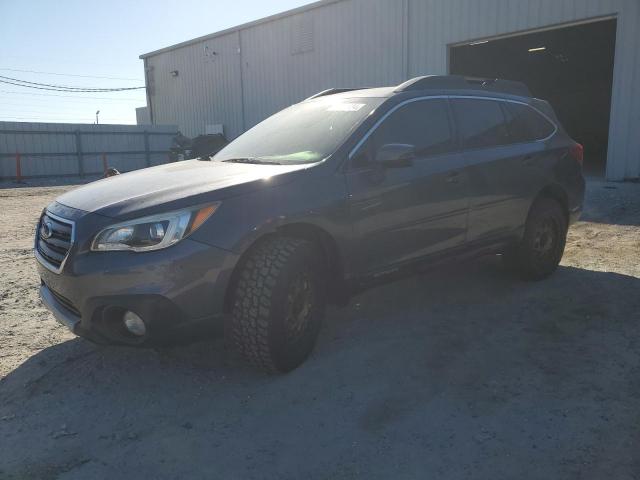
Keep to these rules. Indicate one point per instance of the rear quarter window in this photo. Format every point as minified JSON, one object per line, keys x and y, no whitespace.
{"x":525,"y":124}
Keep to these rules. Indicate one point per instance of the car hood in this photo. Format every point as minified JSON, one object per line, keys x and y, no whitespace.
{"x":177,"y":184}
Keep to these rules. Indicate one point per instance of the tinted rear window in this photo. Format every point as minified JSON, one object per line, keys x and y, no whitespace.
{"x":481,"y":122}
{"x":525,"y":124}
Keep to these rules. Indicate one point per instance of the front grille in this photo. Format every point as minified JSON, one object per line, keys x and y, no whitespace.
{"x":65,"y":302}
{"x":54,"y":238}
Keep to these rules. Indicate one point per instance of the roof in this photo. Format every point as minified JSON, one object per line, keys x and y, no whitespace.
{"x":244,"y":26}
{"x":388,"y":92}
{"x":460,"y":82}
{"x":431,"y":85}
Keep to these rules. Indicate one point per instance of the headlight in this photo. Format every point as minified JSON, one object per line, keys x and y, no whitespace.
{"x":154,"y":232}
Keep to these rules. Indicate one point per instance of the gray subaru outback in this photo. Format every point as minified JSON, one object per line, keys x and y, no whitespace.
{"x":322,"y":199}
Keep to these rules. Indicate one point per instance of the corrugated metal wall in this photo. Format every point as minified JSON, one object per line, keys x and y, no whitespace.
{"x":353,"y":44}
{"x":265,"y":66}
{"x":204,"y":88}
{"x":55,"y":151}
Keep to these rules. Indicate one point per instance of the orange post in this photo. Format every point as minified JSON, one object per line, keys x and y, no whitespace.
{"x":104,"y":162}
{"x":18,"y":168}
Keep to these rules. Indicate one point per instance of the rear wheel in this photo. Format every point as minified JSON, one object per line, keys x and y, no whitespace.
{"x":539,"y":252}
{"x":279,"y":304}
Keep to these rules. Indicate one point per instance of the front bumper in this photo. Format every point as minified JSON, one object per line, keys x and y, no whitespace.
{"x":60,"y":313}
{"x":176,"y":291}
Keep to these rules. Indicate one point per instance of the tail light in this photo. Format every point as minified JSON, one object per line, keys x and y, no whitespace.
{"x":577,"y":153}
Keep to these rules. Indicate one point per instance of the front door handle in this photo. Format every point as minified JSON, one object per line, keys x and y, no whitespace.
{"x":453,"y":177}
{"x":527,"y":160}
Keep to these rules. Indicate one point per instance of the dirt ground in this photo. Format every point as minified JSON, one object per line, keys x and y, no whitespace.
{"x":463,"y":372}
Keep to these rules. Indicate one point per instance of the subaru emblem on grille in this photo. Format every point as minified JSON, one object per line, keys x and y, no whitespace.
{"x":46,"y":230}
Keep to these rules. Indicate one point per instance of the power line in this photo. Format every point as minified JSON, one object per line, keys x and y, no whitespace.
{"x":59,"y":60}
{"x":61,"y":88}
{"x":41,"y":86}
{"x":58,"y":119}
{"x":87,"y":111}
{"x":67,"y":90}
{"x":85,"y":97}
{"x":4,"y":106}
{"x":9,"y":100}
{"x":69,"y":74}
{"x":68,"y":87}
{"x":67,"y":105}
{"x":67,"y":114}
{"x":15,"y":110}
{"x":38,"y":111}
{"x":121,"y":119}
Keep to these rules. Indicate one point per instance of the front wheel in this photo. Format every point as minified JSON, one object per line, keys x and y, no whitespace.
{"x":279,"y":304}
{"x":539,"y":252}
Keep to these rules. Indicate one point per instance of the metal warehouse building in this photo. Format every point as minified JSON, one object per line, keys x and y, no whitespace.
{"x":582,"y":55}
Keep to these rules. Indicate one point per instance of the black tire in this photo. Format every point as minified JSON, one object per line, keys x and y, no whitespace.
{"x":539,"y":252}
{"x":279,"y":304}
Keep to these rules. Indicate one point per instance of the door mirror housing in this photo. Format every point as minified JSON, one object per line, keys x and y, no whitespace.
{"x":395,"y":155}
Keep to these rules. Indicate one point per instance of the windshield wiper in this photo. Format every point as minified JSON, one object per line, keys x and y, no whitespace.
{"x":253,"y":161}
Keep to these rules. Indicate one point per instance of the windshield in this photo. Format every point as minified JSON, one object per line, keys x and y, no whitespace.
{"x":304,"y":133}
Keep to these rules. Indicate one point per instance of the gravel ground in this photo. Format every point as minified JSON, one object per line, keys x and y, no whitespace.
{"x":463,"y":372}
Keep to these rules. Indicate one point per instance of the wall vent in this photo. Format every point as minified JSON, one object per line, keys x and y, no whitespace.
{"x":301,"y":34}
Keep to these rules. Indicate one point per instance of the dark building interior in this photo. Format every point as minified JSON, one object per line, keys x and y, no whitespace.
{"x":571,"y":67}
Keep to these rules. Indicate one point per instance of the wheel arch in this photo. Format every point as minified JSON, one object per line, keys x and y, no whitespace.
{"x":554,"y":192}
{"x":326,"y":244}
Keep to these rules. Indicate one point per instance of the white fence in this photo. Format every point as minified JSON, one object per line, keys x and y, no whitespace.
{"x":59,"y":149}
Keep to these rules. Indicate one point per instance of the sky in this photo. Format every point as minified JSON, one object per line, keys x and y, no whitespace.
{"x":96,"y":44}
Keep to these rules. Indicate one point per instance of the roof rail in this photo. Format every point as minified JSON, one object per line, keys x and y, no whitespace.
{"x":454,"y":82}
{"x":331,"y":91}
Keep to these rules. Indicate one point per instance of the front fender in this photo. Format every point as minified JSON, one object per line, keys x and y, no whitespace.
{"x":240,"y":221}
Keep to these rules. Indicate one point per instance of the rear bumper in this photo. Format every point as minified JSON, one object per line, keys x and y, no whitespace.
{"x":575,"y":188}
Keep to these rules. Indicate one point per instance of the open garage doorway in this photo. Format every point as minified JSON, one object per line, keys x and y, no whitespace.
{"x":570,"y":66}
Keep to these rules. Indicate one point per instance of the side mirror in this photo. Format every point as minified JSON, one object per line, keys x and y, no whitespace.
{"x":395,"y":155}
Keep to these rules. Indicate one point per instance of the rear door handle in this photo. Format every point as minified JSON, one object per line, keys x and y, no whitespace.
{"x":527,"y":159}
{"x":453,"y":177}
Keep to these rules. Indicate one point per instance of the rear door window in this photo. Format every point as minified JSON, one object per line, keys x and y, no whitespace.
{"x":481,"y":122}
{"x":424,"y":124}
{"x":525,"y":124}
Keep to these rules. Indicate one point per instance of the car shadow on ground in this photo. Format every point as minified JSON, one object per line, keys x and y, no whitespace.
{"x":460,"y":372}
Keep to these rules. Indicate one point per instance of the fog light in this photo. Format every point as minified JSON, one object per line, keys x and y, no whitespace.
{"x":134,"y":323}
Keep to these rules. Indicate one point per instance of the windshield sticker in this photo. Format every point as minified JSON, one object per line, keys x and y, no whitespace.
{"x":346,"y":107}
